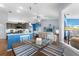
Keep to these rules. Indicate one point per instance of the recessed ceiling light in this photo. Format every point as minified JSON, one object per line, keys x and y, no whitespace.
{"x":21,"y":7}
{"x":18,"y":11}
{"x":9,"y":11}
{"x":2,"y":5}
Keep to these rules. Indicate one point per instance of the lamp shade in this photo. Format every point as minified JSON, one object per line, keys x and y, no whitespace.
{"x":39,"y":41}
{"x":57,"y":31}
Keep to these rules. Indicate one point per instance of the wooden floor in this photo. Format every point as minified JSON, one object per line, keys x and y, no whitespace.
{"x":3,"y":48}
{"x":4,"y":52}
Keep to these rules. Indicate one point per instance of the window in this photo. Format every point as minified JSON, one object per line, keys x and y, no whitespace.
{"x":71,"y":32}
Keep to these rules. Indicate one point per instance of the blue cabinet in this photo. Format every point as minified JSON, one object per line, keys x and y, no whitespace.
{"x":15,"y":38}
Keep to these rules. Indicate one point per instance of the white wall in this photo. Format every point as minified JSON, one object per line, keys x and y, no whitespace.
{"x":2,"y":31}
{"x":61,"y":26}
{"x":46,"y":22}
{"x":3,"y":20}
{"x":3,"y":16}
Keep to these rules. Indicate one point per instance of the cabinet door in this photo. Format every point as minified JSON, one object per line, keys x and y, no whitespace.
{"x":12,"y":39}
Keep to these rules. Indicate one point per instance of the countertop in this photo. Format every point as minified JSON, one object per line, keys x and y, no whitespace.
{"x":20,"y":34}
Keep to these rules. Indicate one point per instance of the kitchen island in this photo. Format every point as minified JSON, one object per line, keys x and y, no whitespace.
{"x":15,"y":38}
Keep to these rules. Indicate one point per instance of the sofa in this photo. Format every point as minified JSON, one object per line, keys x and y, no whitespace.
{"x":74,"y":41}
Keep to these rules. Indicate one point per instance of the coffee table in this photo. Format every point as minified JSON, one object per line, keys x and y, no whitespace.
{"x":45,"y":42}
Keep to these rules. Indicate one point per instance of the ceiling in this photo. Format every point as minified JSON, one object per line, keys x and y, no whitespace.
{"x":23,"y":11}
{"x":72,"y":11}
